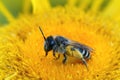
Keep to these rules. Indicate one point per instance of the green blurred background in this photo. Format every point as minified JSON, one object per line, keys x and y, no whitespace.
{"x":15,"y":7}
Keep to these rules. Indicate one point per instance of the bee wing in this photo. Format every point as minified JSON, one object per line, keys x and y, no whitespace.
{"x":80,"y":46}
{"x":64,"y":42}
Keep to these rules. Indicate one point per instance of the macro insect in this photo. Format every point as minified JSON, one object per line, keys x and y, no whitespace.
{"x":66,"y":47}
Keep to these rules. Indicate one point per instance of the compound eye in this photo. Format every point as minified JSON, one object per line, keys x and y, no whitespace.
{"x":52,"y":42}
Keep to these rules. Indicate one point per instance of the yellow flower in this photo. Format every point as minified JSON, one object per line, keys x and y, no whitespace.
{"x":22,"y":55}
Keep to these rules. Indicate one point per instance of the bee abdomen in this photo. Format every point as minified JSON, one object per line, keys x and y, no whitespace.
{"x":85,"y":53}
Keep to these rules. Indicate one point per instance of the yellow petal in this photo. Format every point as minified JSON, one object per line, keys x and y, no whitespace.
{"x":95,"y":6}
{"x":40,"y":6}
{"x":7,"y":14}
{"x":113,"y":9}
{"x":26,"y":7}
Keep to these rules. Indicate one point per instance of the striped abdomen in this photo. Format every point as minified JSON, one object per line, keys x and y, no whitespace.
{"x":85,"y":53}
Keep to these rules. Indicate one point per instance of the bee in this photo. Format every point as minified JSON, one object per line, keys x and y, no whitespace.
{"x":66,"y":47}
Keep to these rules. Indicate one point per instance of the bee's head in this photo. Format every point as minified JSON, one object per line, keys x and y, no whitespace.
{"x":49,"y":43}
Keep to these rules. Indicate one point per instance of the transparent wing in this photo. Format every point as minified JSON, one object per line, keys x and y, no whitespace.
{"x":65,"y":42}
{"x":80,"y":46}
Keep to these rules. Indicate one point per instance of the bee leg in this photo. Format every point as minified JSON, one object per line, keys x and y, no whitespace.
{"x":65,"y":58}
{"x":54,"y":53}
{"x":58,"y":56}
{"x":85,"y":63}
{"x":46,"y":53}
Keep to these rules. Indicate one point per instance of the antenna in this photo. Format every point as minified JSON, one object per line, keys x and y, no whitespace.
{"x":42,"y":33}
